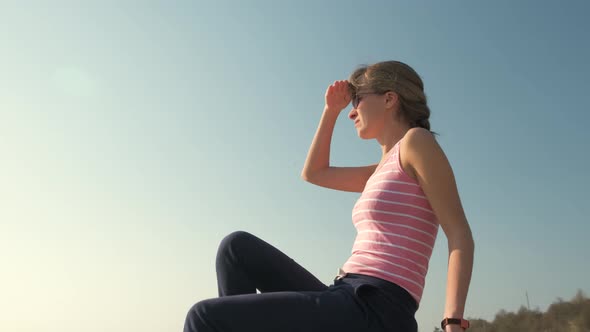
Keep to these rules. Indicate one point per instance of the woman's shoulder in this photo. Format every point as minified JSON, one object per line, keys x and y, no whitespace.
{"x":415,"y":143}
{"x":418,"y":133}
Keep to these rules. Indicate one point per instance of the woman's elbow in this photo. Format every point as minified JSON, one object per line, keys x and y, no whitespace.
{"x":462,"y":239}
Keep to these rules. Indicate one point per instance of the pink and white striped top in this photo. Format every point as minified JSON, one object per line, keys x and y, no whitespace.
{"x":396,"y":228}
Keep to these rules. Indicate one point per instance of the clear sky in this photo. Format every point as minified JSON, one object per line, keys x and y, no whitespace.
{"x":135,"y":135}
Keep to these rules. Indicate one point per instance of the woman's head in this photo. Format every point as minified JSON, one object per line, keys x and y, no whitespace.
{"x":401,"y":90}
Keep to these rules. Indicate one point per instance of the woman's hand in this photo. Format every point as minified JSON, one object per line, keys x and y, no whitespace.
{"x":338,"y":96}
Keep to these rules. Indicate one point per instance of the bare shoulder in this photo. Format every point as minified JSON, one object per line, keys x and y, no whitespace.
{"x":419,"y":134}
{"x":417,"y":141}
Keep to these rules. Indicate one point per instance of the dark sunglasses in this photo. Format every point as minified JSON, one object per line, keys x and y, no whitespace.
{"x":356,"y":98}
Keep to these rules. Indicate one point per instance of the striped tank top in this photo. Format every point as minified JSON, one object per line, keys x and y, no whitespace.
{"x":396,"y":228}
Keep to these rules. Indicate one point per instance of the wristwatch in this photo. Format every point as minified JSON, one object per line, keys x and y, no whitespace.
{"x":459,"y":321}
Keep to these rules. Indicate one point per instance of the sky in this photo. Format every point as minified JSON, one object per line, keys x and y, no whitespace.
{"x":135,"y":135}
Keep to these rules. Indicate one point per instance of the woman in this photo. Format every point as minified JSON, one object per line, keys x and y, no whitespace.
{"x":404,"y":198}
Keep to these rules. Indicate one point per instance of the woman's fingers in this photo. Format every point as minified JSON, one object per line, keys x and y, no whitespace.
{"x":338,"y":94}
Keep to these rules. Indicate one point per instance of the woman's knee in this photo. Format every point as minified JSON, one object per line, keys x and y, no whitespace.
{"x":233,"y":239}
{"x":203,"y":316}
{"x":195,"y":318}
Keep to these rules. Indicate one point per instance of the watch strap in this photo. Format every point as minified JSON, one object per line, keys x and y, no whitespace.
{"x":458,"y":321}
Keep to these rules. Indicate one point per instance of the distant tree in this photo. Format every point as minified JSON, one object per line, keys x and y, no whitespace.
{"x":479,"y":325}
{"x":561,"y":316}
{"x":580,"y":297}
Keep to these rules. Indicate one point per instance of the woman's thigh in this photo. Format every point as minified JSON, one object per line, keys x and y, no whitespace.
{"x":335,"y":309}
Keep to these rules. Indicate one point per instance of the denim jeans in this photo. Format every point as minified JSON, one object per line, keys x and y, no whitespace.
{"x":291,"y":299}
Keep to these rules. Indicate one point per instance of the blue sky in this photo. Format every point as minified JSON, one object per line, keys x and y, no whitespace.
{"x":136,"y":135}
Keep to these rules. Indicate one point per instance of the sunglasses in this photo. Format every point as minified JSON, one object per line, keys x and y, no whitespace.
{"x":356,"y":98}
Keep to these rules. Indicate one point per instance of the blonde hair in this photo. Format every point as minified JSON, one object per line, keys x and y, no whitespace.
{"x":400,"y":78}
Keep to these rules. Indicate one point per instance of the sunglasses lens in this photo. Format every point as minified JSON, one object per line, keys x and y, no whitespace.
{"x":356,"y":100}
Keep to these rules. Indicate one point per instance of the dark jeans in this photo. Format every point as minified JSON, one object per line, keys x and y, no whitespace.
{"x":291,"y":299}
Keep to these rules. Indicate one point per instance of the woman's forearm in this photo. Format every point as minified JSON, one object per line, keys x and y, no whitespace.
{"x":318,"y":156}
{"x":460,"y":265}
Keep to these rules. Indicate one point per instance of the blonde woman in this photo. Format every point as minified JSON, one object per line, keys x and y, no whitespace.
{"x":404,"y":198}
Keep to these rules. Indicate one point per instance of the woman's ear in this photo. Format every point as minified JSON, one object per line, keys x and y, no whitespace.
{"x":391,"y":99}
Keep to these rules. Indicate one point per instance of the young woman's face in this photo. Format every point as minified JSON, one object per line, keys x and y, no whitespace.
{"x":368,"y":114}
